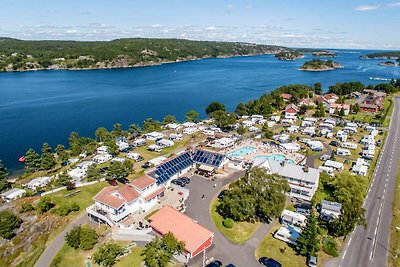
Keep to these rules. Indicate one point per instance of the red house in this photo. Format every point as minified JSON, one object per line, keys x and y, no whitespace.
{"x":291,"y":110}
{"x":286,"y":96}
{"x":196,"y":238}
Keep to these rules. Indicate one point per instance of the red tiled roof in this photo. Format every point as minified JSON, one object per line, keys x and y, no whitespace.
{"x":320,"y":99}
{"x":105,"y":197}
{"x":142,"y":182}
{"x":154,"y":194}
{"x":167,"y":219}
{"x":330,"y":96}
{"x":128,"y":193}
{"x":286,"y":96}
{"x":339,"y":106}
{"x":293,"y":106}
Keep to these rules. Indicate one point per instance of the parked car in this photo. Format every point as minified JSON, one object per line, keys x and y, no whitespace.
{"x":39,"y":193}
{"x":222,"y":194}
{"x":113,"y":182}
{"x":178,"y":182}
{"x":185,"y":180}
{"x":312,"y":261}
{"x":230,"y":265}
{"x":123,"y":180}
{"x":334,"y":143}
{"x":269,"y":262}
{"x":214,"y":264}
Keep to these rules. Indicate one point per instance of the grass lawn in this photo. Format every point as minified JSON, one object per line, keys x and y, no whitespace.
{"x":239,"y":233}
{"x":134,"y":259}
{"x":279,"y":250}
{"x":395,"y":234}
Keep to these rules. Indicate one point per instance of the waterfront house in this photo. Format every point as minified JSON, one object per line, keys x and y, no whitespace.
{"x":37,"y":183}
{"x":113,"y":204}
{"x":13,"y":194}
{"x":303,"y":180}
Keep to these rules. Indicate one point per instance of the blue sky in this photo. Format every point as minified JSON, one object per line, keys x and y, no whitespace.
{"x":307,"y":23}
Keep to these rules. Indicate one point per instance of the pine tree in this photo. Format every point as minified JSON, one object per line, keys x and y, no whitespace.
{"x":61,"y":153}
{"x":308,"y":243}
{"x":32,"y":161}
{"x":47,"y":160}
{"x":3,"y":177}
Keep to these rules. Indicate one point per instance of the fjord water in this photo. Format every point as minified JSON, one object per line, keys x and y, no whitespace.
{"x":45,"y":106}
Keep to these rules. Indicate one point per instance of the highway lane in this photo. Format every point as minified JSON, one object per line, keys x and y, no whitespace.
{"x":370,"y":246}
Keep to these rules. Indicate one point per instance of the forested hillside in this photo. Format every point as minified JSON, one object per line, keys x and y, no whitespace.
{"x":27,"y":55}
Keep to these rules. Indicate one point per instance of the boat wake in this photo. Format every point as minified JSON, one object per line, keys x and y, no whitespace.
{"x":379,"y":79}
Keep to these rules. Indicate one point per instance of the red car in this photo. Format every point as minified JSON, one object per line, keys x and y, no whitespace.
{"x":113,"y":182}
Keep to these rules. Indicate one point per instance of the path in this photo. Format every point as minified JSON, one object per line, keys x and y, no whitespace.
{"x":311,"y":159}
{"x":223,"y":249}
{"x":55,"y":245}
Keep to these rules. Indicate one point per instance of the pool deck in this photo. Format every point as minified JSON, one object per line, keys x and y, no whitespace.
{"x":265,"y":150}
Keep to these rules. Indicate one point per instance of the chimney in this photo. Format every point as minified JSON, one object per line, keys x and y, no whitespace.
{"x":305,"y":168}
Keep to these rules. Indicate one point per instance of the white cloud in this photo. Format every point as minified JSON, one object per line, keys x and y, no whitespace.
{"x":377,"y":6}
{"x":366,"y":7}
{"x":71,"y":31}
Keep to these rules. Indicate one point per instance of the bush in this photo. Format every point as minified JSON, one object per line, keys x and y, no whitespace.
{"x":330,"y":247}
{"x":228,"y":223}
{"x":322,"y":230}
{"x":44,"y":205}
{"x":82,"y":237}
{"x":8,"y":223}
{"x":64,"y":210}
{"x":26,"y":207}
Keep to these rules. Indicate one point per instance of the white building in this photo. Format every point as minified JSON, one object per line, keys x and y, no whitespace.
{"x":288,"y":234}
{"x":164,"y":143}
{"x":248,"y":123}
{"x":349,"y":145}
{"x":190,"y":130}
{"x":303,"y":181}
{"x":293,"y":129}
{"x":174,"y":136}
{"x":223,"y":142}
{"x":360,"y":169}
{"x":309,"y":131}
{"x":102,"y":158}
{"x":139,"y":142}
{"x":334,"y":164}
{"x":13,"y":194}
{"x":134,"y":156}
{"x":114,"y":204}
{"x":154,"y":136}
{"x":189,"y":124}
{"x":154,"y":147}
{"x":328,"y":170}
{"x":37,"y":183}
{"x":102,"y":150}
{"x":291,"y":147}
{"x":293,"y":218}
{"x":316,"y":145}
{"x":122,"y":145}
{"x":307,"y":123}
{"x":330,"y":210}
{"x":174,"y":126}
{"x":343,"y":152}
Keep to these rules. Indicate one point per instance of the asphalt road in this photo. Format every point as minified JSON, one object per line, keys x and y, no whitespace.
{"x":370,"y":246}
{"x":51,"y":250}
{"x":222,"y":249}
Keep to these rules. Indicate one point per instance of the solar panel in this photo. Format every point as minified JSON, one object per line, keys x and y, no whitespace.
{"x":174,"y":166}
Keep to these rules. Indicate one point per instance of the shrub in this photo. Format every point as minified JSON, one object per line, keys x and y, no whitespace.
{"x":26,"y":207}
{"x":322,"y":230}
{"x":82,"y":237}
{"x":44,"y":205}
{"x":64,"y":210}
{"x":228,"y":223}
{"x":8,"y":223}
{"x":330,"y":247}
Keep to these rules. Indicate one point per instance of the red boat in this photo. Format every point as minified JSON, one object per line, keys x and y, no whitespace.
{"x":21,"y":159}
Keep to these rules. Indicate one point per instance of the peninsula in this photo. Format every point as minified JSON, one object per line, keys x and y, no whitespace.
{"x":320,"y":65}
{"x":289,"y":55}
{"x":324,"y":53}
{"x":383,"y":55}
{"x":20,"y":55}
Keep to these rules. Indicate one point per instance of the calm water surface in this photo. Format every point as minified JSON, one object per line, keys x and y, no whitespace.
{"x":45,"y":106}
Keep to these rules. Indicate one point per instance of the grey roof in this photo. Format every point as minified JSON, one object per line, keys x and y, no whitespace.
{"x":329,"y":205}
{"x":290,"y":170}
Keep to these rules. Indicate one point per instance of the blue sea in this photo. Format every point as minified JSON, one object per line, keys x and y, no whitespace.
{"x":45,"y":106}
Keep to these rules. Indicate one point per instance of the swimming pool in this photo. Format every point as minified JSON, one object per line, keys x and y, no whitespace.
{"x":242,"y":151}
{"x":276,"y":157}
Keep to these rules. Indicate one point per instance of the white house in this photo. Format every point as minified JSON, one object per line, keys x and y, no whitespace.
{"x":330,"y":210}
{"x":293,"y":218}
{"x":113,"y":204}
{"x":334,"y":107}
{"x":223,"y":142}
{"x":102,"y":150}
{"x":288,"y":234}
{"x":334,"y":164}
{"x":13,"y":194}
{"x":154,"y":136}
{"x":360,"y":169}
{"x":303,"y":181}
{"x":190,"y":130}
{"x":349,"y":145}
{"x":37,"y":183}
{"x":343,"y":152}
{"x":139,"y":142}
{"x":102,"y":158}
{"x":316,"y":145}
{"x":164,"y":143}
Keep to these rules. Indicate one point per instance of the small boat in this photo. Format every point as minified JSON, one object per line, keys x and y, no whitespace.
{"x":22,"y":159}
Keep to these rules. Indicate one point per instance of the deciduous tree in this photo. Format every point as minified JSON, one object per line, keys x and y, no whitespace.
{"x":107,"y":254}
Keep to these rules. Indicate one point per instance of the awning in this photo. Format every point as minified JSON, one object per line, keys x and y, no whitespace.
{"x":206,"y":168}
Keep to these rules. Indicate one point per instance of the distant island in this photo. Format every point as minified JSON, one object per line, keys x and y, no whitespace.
{"x":394,"y":55}
{"x":320,"y":65}
{"x":21,"y":55}
{"x":324,"y":53}
{"x":289,"y":55}
{"x":389,"y":63}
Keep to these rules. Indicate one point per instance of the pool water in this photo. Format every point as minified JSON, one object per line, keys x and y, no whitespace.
{"x":242,"y":151}
{"x":276,"y":157}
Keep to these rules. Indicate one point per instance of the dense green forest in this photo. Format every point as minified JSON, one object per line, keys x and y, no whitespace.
{"x":289,"y":55}
{"x":384,"y":55}
{"x":25,"y":55}
{"x":320,"y":65}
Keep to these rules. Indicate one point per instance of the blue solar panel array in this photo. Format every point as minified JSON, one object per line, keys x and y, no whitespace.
{"x":208,"y":158}
{"x":165,"y":171}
